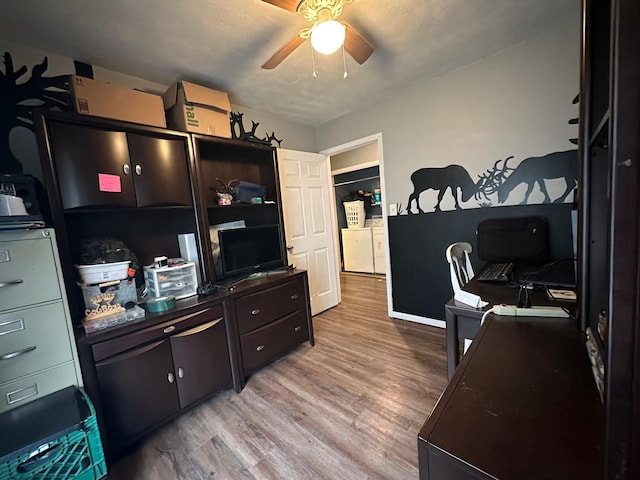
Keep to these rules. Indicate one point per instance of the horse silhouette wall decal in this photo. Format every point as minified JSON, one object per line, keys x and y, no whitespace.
{"x":451,"y":177}
{"x":534,"y":170}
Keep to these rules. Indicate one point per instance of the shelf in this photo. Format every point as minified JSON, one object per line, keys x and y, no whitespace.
{"x":242,"y":205}
{"x":122,"y":208}
{"x":604,"y":122}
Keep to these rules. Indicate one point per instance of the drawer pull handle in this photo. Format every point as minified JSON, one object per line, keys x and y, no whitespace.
{"x":297,"y":328}
{"x":8,"y":356}
{"x":12,"y":282}
{"x":138,"y":169}
{"x":169,"y":329}
{"x":255,"y":312}
{"x":294,"y":296}
{"x":180,"y":372}
{"x":170,"y":377}
{"x":259,"y":348}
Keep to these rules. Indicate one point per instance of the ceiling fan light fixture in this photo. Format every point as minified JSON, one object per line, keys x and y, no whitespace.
{"x":327,"y":37}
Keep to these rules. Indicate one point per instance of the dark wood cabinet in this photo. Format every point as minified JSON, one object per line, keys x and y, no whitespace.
{"x":84,"y":156}
{"x":273,"y":316}
{"x":160,"y":170}
{"x":610,"y":226}
{"x":144,"y":186}
{"x":201,"y":361}
{"x":135,"y":391}
{"x":102,"y":167}
{"x":147,"y":376}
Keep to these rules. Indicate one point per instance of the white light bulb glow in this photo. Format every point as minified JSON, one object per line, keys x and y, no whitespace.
{"x":327,"y":37}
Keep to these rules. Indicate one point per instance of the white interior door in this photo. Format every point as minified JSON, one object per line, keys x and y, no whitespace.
{"x":308,"y":227}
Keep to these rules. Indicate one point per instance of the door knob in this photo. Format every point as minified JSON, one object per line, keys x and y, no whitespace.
{"x":289,"y":248}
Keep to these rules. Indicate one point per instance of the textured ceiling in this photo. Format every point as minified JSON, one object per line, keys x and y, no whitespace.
{"x":222,"y":44}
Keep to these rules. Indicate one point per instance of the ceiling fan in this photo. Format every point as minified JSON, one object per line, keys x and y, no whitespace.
{"x":326,"y":33}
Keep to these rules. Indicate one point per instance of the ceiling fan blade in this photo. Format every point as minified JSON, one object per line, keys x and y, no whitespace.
{"x":356,"y":45}
{"x":291,"y":5}
{"x":283,"y":52}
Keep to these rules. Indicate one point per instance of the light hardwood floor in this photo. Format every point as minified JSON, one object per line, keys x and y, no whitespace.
{"x":348,"y":408}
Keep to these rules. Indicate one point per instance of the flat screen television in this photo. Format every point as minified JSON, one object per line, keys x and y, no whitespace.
{"x":244,"y":251}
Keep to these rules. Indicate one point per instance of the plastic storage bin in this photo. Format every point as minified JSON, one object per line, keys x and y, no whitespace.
{"x":355,"y":213}
{"x":103,"y":272}
{"x":52,"y":438}
{"x":180,"y":281}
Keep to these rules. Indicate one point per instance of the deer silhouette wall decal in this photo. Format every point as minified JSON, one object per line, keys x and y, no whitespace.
{"x":451,"y":177}
{"x":534,"y":170}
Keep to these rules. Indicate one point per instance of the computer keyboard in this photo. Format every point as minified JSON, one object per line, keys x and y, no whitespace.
{"x":496,"y":272}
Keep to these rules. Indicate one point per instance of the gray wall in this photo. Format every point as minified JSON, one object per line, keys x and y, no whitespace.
{"x":294,"y":136}
{"x":517,"y":102}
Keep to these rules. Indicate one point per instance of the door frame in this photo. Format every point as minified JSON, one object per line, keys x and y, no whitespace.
{"x":345,"y":147}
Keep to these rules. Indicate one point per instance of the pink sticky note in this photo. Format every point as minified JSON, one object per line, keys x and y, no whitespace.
{"x":109,"y":183}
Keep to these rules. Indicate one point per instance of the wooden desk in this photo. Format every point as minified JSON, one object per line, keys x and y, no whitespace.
{"x":463,"y":321}
{"x":522,"y":405}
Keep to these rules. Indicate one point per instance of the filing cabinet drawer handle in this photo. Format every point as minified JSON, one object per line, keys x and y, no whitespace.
{"x":170,"y":377}
{"x":259,"y":348}
{"x":8,"y":356}
{"x":12,"y":282}
{"x":255,"y":312}
{"x":294,"y":296}
{"x":169,"y":329}
{"x":297,"y":328}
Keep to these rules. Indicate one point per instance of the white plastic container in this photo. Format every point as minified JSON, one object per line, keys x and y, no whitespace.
{"x":103,"y":272}
{"x":355,"y":213}
{"x":181,"y":281}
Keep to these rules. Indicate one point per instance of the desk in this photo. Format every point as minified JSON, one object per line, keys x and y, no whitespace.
{"x":463,"y":321}
{"x":521,"y":405}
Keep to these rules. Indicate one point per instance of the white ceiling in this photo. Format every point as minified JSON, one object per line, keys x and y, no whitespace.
{"x":222,"y":43}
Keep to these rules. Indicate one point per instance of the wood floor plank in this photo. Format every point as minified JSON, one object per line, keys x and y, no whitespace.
{"x":349,"y":408}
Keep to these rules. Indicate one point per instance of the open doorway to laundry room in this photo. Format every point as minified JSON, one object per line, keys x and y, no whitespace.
{"x":357,"y":179}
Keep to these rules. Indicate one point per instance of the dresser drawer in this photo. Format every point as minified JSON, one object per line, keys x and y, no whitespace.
{"x":32,"y":339}
{"x":258,"y":309}
{"x":27,"y":273}
{"x":274,"y":340}
{"x":35,"y":386}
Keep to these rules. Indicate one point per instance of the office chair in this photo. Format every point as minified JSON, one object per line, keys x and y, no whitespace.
{"x":459,"y":264}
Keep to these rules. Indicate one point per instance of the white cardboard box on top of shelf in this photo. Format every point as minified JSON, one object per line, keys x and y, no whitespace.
{"x":101,"y":99}
{"x":194,"y":108}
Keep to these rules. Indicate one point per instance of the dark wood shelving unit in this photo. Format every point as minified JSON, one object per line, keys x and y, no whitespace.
{"x":156,"y":188}
{"x":609,"y":220}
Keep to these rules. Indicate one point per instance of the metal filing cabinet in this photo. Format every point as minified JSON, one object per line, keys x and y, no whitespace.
{"x":37,"y":347}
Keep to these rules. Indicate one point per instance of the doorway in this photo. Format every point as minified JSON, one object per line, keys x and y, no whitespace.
{"x":357,"y":174}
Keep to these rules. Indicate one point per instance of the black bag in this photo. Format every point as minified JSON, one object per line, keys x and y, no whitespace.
{"x":246,"y":191}
{"x":517,"y":239}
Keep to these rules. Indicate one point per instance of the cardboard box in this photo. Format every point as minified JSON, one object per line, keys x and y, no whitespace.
{"x":93,"y":97}
{"x":197,"y":109}
{"x":124,"y":291}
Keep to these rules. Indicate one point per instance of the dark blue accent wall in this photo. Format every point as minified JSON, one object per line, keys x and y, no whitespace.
{"x":420,"y":280}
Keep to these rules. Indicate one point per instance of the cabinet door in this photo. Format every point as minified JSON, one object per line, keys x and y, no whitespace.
{"x":160,"y":170}
{"x":137,"y":390}
{"x":201,"y":361}
{"x":91,"y":165}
